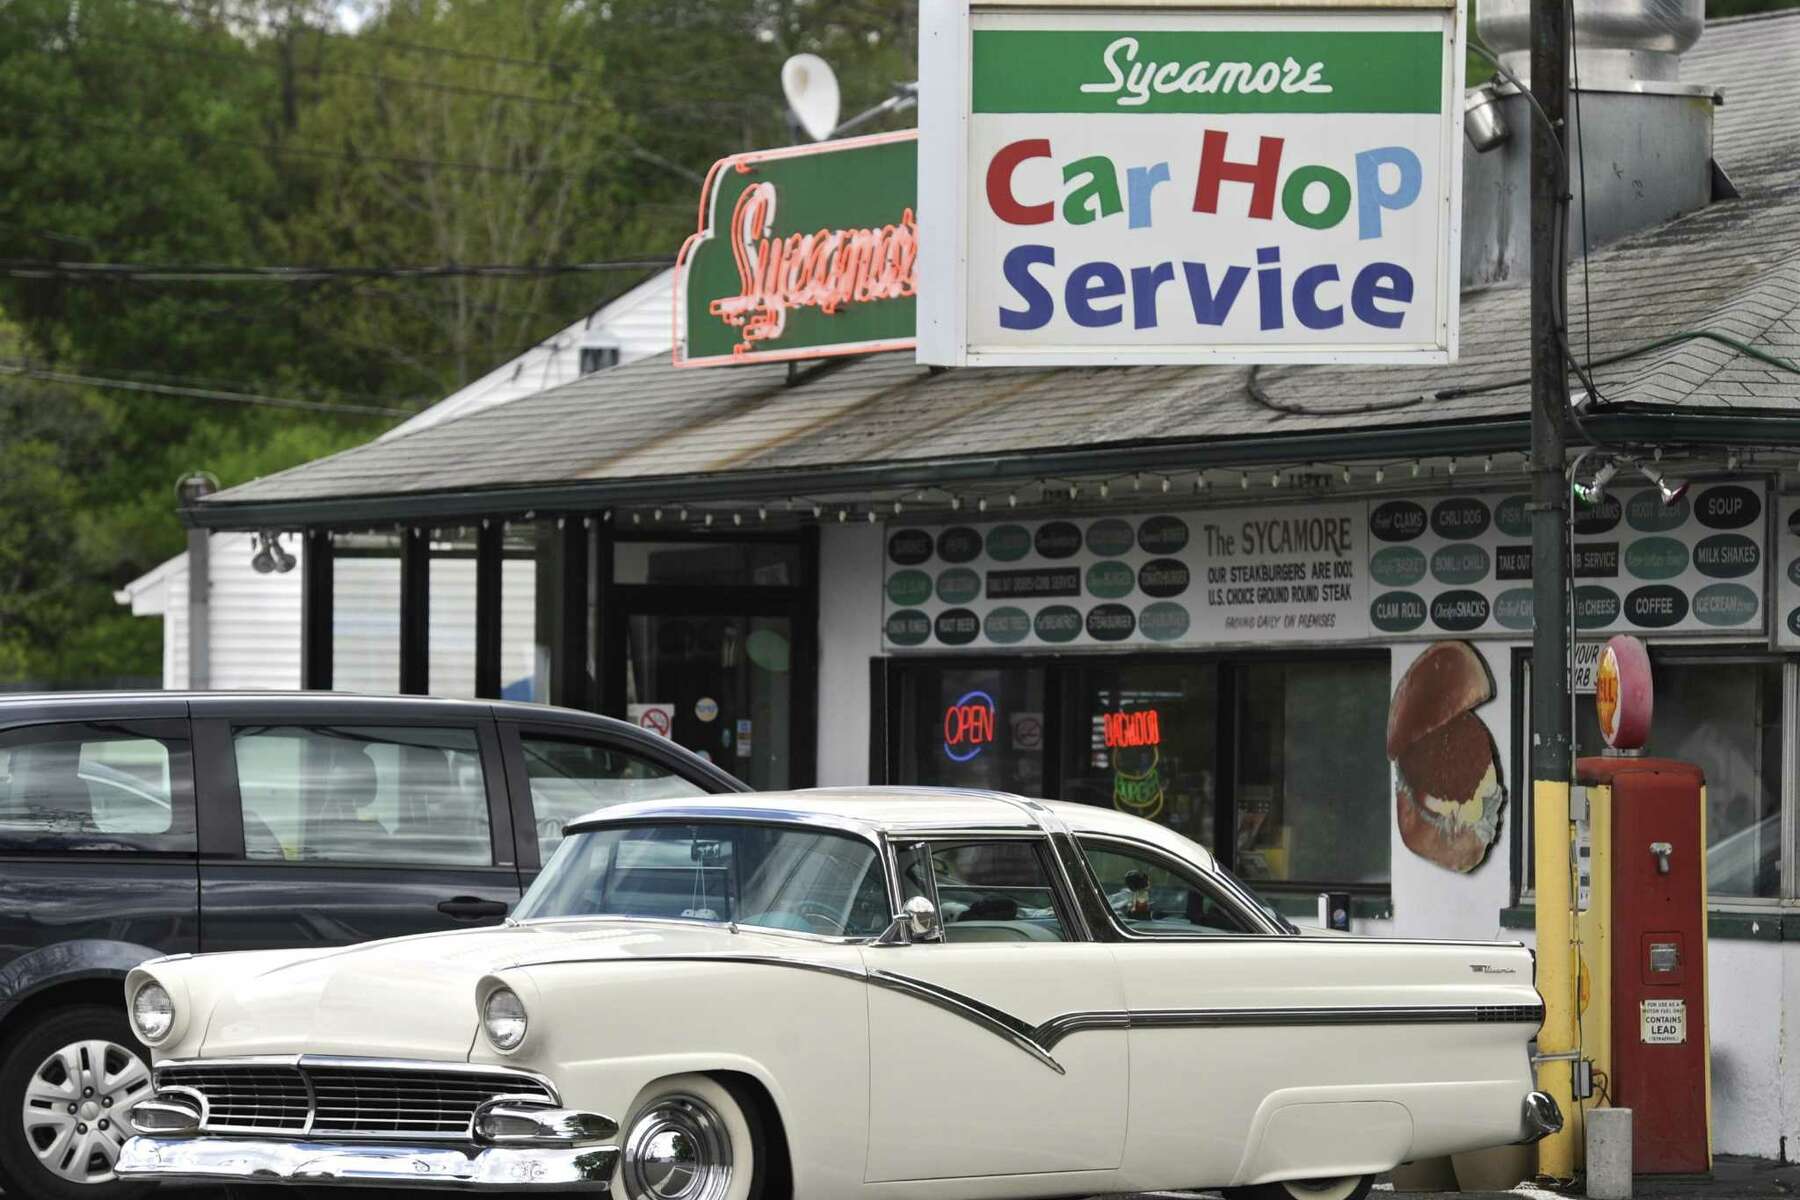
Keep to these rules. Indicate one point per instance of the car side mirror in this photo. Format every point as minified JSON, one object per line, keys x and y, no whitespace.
{"x":922,"y":919}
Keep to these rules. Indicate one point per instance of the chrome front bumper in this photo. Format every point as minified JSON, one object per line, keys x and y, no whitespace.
{"x":1542,"y":1118}
{"x":203,"y":1159}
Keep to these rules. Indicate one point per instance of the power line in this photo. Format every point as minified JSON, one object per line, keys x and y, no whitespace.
{"x":27,"y":371}
{"x":544,"y":64}
{"x":26,"y":268}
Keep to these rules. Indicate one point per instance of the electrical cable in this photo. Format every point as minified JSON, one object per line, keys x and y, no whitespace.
{"x":26,"y":268}
{"x":1262,"y":398}
{"x":27,"y":371}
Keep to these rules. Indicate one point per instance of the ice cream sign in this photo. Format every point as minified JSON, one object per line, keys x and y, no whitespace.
{"x":1151,"y":184}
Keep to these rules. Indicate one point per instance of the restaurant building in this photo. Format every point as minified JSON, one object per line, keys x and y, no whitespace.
{"x":1186,"y":592}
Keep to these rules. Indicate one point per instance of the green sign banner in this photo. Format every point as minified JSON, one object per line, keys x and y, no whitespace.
{"x":1205,"y":71}
{"x":803,"y":252}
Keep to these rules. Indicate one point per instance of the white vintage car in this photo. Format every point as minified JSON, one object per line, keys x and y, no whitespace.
{"x":845,"y":993}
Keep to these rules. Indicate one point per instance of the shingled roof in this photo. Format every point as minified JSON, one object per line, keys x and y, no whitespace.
{"x":1732,"y":269}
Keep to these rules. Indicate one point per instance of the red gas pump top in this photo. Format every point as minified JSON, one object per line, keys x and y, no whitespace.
{"x":1599,"y":770}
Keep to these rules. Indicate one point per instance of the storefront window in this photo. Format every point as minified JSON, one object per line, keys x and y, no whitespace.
{"x":1145,"y":741}
{"x":707,"y":563}
{"x":365,"y":612}
{"x":1312,"y":788}
{"x":975,"y":727}
{"x":451,"y":664}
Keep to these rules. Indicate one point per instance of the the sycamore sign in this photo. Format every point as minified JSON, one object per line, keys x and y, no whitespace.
{"x":804,"y":252}
{"x":1160,"y":183}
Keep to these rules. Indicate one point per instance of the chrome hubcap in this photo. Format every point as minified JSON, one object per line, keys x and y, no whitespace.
{"x":678,"y":1150}
{"x":76,"y":1105}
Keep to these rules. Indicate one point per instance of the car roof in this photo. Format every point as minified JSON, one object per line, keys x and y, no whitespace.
{"x":906,"y":810}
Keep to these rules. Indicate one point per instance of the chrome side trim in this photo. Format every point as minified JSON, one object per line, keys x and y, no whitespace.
{"x":1039,"y":1040}
{"x":995,"y":1021}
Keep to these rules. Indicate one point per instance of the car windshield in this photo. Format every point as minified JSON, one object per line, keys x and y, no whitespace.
{"x":774,"y":876}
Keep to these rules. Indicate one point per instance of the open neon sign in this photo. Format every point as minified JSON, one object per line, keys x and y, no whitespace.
{"x":968,"y":726}
{"x":1129,"y":730}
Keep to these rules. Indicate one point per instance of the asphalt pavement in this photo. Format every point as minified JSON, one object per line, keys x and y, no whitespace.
{"x":1731,"y":1179}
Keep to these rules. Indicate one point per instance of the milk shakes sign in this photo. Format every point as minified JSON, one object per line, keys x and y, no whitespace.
{"x":1120,"y":184}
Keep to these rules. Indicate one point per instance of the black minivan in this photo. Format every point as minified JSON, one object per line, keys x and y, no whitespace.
{"x":135,"y":825}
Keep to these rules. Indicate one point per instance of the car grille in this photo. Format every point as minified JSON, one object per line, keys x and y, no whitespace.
{"x":346,"y":1098}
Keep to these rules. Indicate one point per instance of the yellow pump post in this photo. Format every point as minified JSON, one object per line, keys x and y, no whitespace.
{"x":1558,"y":972}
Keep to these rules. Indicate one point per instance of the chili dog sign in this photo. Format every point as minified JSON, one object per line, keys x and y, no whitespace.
{"x":1115,"y":184}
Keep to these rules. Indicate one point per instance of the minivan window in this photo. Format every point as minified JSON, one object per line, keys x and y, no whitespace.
{"x":570,"y":779}
{"x":91,"y":787}
{"x":363,"y":794}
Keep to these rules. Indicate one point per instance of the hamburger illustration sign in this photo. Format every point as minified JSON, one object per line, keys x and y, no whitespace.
{"x":1116,"y":183}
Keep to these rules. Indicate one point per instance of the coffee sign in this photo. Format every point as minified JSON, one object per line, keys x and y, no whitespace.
{"x":803,"y":252}
{"x":1173,"y":183}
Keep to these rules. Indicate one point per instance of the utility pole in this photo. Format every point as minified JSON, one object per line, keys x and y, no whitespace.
{"x":1558,"y":970}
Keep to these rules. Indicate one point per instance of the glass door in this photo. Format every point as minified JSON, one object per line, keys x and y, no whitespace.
{"x":718,"y":685}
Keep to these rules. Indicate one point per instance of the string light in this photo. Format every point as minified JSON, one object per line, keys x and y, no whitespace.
{"x":683,"y":516}
{"x":818,"y":511}
{"x":1274,"y":479}
{"x":1165,"y":485}
{"x":1012,"y":499}
{"x":1380,"y":474}
{"x":1104,"y":489}
{"x":1244,"y":480}
{"x":871,"y":516}
{"x":1452,"y":466}
{"x":762,"y":511}
{"x":897,"y":508}
{"x":737,"y":518}
{"x":1731,"y":461}
{"x":1199,"y":484}
{"x":637,"y":518}
{"x":1487,"y":464}
{"x":1346,"y":474}
{"x":981,"y":504}
{"x":1415,"y":468}
{"x":956,"y":504}
{"x":658,"y":514}
{"x":1137,"y":481}
{"x":842,"y":516}
{"x":709,"y":518}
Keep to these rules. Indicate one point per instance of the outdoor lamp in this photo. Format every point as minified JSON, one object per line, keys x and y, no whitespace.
{"x":1671,"y":490}
{"x":1593,"y":493}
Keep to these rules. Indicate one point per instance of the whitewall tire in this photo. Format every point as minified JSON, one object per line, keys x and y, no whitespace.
{"x":1350,"y":1187}
{"x":689,"y":1137}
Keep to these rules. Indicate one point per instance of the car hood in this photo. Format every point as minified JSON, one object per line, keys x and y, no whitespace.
{"x":415,"y":997}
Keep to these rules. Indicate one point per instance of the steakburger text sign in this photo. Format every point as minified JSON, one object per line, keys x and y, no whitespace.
{"x":802,"y":252}
{"x":1153,"y":184}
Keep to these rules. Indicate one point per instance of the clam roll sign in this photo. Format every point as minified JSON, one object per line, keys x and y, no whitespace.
{"x":1164,"y":184}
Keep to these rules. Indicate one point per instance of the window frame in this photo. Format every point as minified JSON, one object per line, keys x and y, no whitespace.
{"x":222,"y":798}
{"x":182,"y":839}
{"x":1259,"y":925}
{"x":1071,"y":914}
{"x":1723,"y":655}
{"x":878,"y":841}
{"x":890,"y":709}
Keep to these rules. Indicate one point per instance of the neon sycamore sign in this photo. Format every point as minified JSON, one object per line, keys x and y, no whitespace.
{"x":802,"y":252}
{"x":969,"y":726}
{"x":825,"y":270}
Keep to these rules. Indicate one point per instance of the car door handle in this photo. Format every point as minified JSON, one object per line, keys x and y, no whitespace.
{"x":471,"y":908}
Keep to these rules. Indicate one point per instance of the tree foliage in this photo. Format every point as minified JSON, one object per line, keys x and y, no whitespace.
{"x":249,"y":132}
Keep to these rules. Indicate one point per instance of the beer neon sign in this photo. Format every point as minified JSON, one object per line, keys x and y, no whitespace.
{"x":969,"y":726}
{"x":1130,"y":730}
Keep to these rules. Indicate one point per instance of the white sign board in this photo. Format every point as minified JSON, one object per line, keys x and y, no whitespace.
{"x":1787,"y":581}
{"x":657,"y":718}
{"x":1663,"y":1022}
{"x":1408,"y":568}
{"x":1115,"y":184}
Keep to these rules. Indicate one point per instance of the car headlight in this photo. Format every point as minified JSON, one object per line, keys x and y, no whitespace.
{"x":152,"y":1012}
{"x":503,"y":1018}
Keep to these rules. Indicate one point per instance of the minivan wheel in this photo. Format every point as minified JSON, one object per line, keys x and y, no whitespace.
{"x":67,"y":1083}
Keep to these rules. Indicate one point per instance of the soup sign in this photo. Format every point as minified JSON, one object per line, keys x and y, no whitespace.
{"x":1170,"y":184}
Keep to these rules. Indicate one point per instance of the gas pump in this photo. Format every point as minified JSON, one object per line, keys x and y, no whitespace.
{"x":1641,"y":860}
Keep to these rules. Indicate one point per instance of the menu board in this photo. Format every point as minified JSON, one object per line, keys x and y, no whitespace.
{"x":1462,"y":564}
{"x":1403,"y":568}
{"x":1787,"y":567}
{"x":1230,"y":575}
